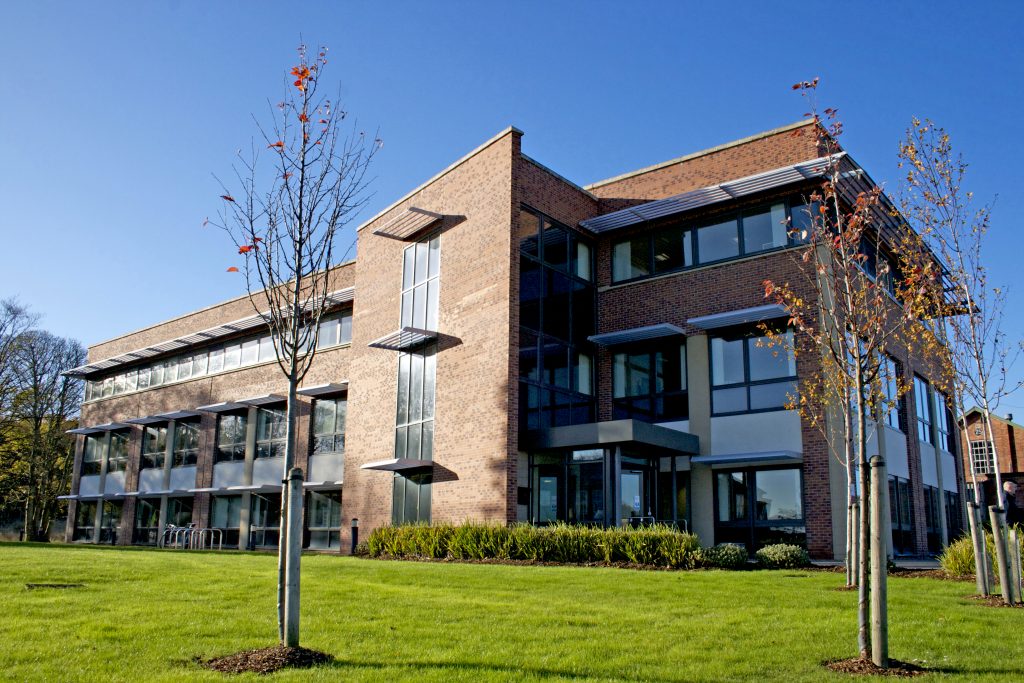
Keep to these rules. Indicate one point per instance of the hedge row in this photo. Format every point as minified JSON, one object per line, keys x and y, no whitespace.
{"x":658,"y":545}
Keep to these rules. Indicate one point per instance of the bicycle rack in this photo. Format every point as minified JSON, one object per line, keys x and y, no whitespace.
{"x":191,"y":537}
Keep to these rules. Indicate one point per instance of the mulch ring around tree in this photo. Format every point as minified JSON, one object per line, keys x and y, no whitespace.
{"x":865,"y":667}
{"x":992,"y":601}
{"x":266,"y":660}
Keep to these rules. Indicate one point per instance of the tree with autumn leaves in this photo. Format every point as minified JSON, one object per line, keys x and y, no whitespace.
{"x":859,"y":296}
{"x":303,"y":180}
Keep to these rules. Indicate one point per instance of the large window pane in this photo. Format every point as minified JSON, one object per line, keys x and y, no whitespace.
{"x":770,"y":361}
{"x":778,"y":495}
{"x":768,"y":396}
{"x":726,"y":361}
{"x":729,"y":400}
{"x":718,"y":241}
{"x":765,"y":229}
{"x":669,"y":253}
{"x":631,"y":258}
{"x":732,"y":496}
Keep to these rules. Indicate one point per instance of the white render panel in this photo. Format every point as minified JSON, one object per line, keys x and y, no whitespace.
{"x":268,"y":471}
{"x":89,"y":485}
{"x":327,"y":467}
{"x":183,"y":478}
{"x":678,"y":425}
{"x":896,"y":453}
{"x":928,"y":475}
{"x":778,"y":430}
{"x":229,"y":474}
{"x":151,"y":479}
{"x":948,"y":471}
{"x":114,"y":483}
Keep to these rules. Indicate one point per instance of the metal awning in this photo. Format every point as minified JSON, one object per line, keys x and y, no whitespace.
{"x":205,"y":490}
{"x":221,"y":407}
{"x":321,"y":485}
{"x":398,"y":465}
{"x":147,"y":420}
{"x":650,"y":437}
{"x":108,"y":427}
{"x":739,"y":317}
{"x":408,"y":224}
{"x":404,"y":339}
{"x":68,"y":497}
{"x":264,"y":400}
{"x":246,"y":324}
{"x":324,"y":389}
{"x":636,"y":334}
{"x":748,"y":458}
{"x":179,"y":415}
{"x":723,"y":192}
{"x":256,"y":488}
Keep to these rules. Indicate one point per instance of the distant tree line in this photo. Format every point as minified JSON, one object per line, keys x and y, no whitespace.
{"x":38,"y":404}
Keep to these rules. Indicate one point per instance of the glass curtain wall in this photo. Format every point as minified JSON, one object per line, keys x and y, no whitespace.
{"x":556,"y":315}
{"x":758,"y":507}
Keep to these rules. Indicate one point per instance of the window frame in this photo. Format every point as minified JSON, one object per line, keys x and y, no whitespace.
{"x":233,"y":448}
{"x":747,"y":335}
{"x":624,"y":406}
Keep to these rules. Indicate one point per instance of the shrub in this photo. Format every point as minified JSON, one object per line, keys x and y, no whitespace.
{"x":659,"y":545}
{"x":958,"y":558}
{"x":725,"y":556}
{"x":782,"y":556}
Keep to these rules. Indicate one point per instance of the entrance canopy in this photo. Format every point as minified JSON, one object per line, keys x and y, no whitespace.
{"x":612,"y":433}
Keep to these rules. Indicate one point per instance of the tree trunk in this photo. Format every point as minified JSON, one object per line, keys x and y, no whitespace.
{"x":978,"y":543}
{"x":864,"y":545}
{"x":999,"y":536}
{"x":293,"y":558}
{"x":285,"y":541}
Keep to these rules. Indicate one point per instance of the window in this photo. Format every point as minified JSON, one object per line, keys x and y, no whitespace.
{"x":421,"y":266}
{"x":85,"y":521}
{"x":650,"y":385}
{"x":942,"y":422}
{"x":265,"y":520}
{"x":230,"y":437}
{"x":889,"y":377}
{"x":329,"y":426}
{"x":267,"y":352}
{"x":92,"y":457}
{"x":900,"y":508}
{"x":736,"y":234}
{"x":179,"y":511}
{"x":186,"y":444}
{"x":556,"y":311}
{"x":110,"y":520}
{"x":324,"y":519}
{"x":924,"y":410}
{"x":117,"y":461}
{"x":226,"y":516}
{"x":749,"y":374}
{"x":147,"y":521}
{"x":334,"y":330}
{"x":982,"y":457}
{"x":931,"y":518}
{"x":154,"y":447}
{"x":414,"y":423}
{"x":758,"y":507}
{"x":271,"y":433}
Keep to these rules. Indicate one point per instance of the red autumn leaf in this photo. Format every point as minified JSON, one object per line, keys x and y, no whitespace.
{"x":286,"y":176}
{"x":323,"y":120}
{"x":278,"y":144}
{"x":232,"y":269}
{"x":245,"y":249}
{"x":227,"y":198}
{"x":257,"y":239}
{"x":303,"y":118}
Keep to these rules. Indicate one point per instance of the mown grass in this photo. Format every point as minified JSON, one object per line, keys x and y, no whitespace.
{"x":145,"y":614}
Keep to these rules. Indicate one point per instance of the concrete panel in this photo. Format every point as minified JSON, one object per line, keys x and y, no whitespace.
{"x":774,"y":431}
{"x":267,"y":470}
{"x":183,"y":478}
{"x":948,"y":471}
{"x":230,"y":474}
{"x":896,"y":452}
{"x":928,"y":474}
{"x":151,"y":479}
{"x":114,"y":483}
{"x":328,"y":467}
{"x":89,"y":485}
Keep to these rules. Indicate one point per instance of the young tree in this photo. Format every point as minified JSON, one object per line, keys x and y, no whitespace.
{"x":943,"y":214}
{"x":848,"y":310}
{"x":15,"y":320}
{"x":45,"y":403}
{"x":285,"y":222}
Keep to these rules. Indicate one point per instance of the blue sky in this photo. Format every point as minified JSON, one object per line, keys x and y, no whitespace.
{"x":115,"y":115}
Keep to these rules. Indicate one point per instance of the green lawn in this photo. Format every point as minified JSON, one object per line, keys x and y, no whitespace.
{"x":144,"y":614}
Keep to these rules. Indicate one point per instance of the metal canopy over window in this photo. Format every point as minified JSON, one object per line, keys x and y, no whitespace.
{"x":178,"y":415}
{"x":404,"y":339}
{"x":109,"y":427}
{"x":612,"y":432}
{"x":321,"y":390}
{"x":398,"y":465}
{"x":714,"y":194}
{"x":742,"y":316}
{"x":636,"y":334}
{"x":252,"y":322}
{"x":147,"y":420}
{"x":256,"y":488}
{"x":321,"y":485}
{"x":224,"y":407}
{"x":264,"y":400}
{"x":743,"y":459}
{"x":409,"y":224}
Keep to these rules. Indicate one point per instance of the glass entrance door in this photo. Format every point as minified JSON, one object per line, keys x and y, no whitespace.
{"x":635,"y":501}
